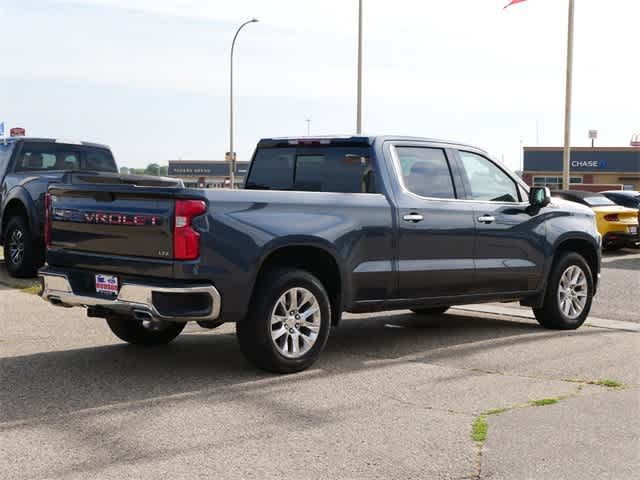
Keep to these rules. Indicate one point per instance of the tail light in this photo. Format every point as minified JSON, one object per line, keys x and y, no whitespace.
{"x":612,"y":217}
{"x":186,"y":241}
{"x":47,"y":219}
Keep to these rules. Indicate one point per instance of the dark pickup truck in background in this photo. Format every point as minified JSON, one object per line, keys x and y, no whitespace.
{"x":322,"y":226}
{"x":27,"y":167}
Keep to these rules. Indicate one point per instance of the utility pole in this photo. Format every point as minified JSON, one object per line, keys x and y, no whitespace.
{"x":308,"y":120}
{"x":566,"y":158}
{"x":359,"y":94}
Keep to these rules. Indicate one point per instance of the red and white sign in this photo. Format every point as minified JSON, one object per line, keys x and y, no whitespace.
{"x":106,"y":284}
{"x":17,"y":132}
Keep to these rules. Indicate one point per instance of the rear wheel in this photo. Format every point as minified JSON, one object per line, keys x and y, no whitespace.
{"x":22,"y":257}
{"x":569,"y":294}
{"x":143,"y":332}
{"x":288,"y":322}
{"x":430,"y":311}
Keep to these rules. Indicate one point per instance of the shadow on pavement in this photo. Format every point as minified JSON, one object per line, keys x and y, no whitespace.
{"x":8,"y":281}
{"x":209,"y":366}
{"x":623,"y":263}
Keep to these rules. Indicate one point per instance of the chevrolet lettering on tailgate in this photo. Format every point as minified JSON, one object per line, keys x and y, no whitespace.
{"x":104,"y":218}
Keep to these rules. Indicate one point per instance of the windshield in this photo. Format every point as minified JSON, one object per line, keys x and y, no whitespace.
{"x":598,"y":201}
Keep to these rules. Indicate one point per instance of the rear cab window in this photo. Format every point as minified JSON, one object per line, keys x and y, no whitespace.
{"x":45,"y":156}
{"x":323,"y":168}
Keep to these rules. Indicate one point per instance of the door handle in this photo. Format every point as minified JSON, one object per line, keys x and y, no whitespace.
{"x":486,"y":219}
{"x":413,"y":217}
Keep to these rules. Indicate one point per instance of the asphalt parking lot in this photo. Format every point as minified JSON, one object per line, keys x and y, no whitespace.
{"x":470,"y":394}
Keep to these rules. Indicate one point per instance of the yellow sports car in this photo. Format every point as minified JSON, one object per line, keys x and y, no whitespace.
{"x":617,"y":225}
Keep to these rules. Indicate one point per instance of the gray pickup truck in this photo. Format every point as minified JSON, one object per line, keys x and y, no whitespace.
{"x":322,"y":226}
{"x":27,"y":167}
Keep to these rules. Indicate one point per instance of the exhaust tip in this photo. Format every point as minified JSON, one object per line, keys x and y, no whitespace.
{"x":142,"y":315}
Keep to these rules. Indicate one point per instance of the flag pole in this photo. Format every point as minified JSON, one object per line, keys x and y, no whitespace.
{"x":566,"y":157}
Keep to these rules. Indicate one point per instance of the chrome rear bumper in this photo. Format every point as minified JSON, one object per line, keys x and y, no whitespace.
{"x":134,"y":299}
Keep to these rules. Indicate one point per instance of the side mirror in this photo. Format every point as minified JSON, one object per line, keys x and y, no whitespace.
{"x":539,"y":196}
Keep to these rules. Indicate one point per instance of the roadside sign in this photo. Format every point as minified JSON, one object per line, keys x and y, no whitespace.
{"x":593,"y":134}
{"x":17,"y":132}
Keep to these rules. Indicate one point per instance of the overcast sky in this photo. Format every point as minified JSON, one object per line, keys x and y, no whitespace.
{"x":150,"y":77}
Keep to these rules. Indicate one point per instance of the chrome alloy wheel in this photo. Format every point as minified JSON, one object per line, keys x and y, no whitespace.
{"x":572,"y":292}
{"x":16,"y":247}
{"x":295,"y":322}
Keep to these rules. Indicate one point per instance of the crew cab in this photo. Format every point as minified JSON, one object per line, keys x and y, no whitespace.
{"x":27,"y":167}
{"x":322,"y":226}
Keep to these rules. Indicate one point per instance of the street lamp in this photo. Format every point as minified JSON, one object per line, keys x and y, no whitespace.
{"x":359,"y":88}
{"x":232,"y":159}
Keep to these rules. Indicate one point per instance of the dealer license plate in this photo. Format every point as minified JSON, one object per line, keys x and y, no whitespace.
{"x":633,"y":230}
{"x":106,"y":284}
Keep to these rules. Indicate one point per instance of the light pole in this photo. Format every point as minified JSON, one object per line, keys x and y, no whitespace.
{"x":232,"y":155}
{"x":359,"y":94}
{"x":566,"y":157}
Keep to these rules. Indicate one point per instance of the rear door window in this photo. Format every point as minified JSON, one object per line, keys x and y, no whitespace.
{"x":426,"y":172}
{"x":316,"y":169}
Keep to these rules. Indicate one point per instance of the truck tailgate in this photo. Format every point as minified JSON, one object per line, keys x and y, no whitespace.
{"x":123,"y":220}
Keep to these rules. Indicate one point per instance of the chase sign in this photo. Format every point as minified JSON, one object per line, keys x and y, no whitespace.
{"x":595,"y":164}
{"x":612,"y":160}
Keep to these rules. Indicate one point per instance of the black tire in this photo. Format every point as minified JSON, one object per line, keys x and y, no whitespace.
{"x":21,"y":256}
{"x":551,"y":315}
{"x":132,"y":331}
{"x":255,"y":330}
{"x":430,"y":311}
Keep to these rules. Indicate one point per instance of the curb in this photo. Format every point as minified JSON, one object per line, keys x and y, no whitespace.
{"x":526,"y":313}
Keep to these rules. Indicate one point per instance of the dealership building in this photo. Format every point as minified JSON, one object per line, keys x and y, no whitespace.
{"x":593,"y":169}
{"x":206,"y":173}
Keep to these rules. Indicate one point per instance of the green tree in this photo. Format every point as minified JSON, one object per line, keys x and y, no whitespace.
{"x":153,"y":169}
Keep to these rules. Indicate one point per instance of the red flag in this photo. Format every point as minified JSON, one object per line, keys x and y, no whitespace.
{"x":513,"y":2}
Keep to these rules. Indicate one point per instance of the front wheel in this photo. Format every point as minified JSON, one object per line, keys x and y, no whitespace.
{"x":288,"y":322}
{"x":143,"y":332}
{"x":569,"y":294}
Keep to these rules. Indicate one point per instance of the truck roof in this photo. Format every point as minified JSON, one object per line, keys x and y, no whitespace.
{"x":354,"y":140}
{"x":53,"y":140}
